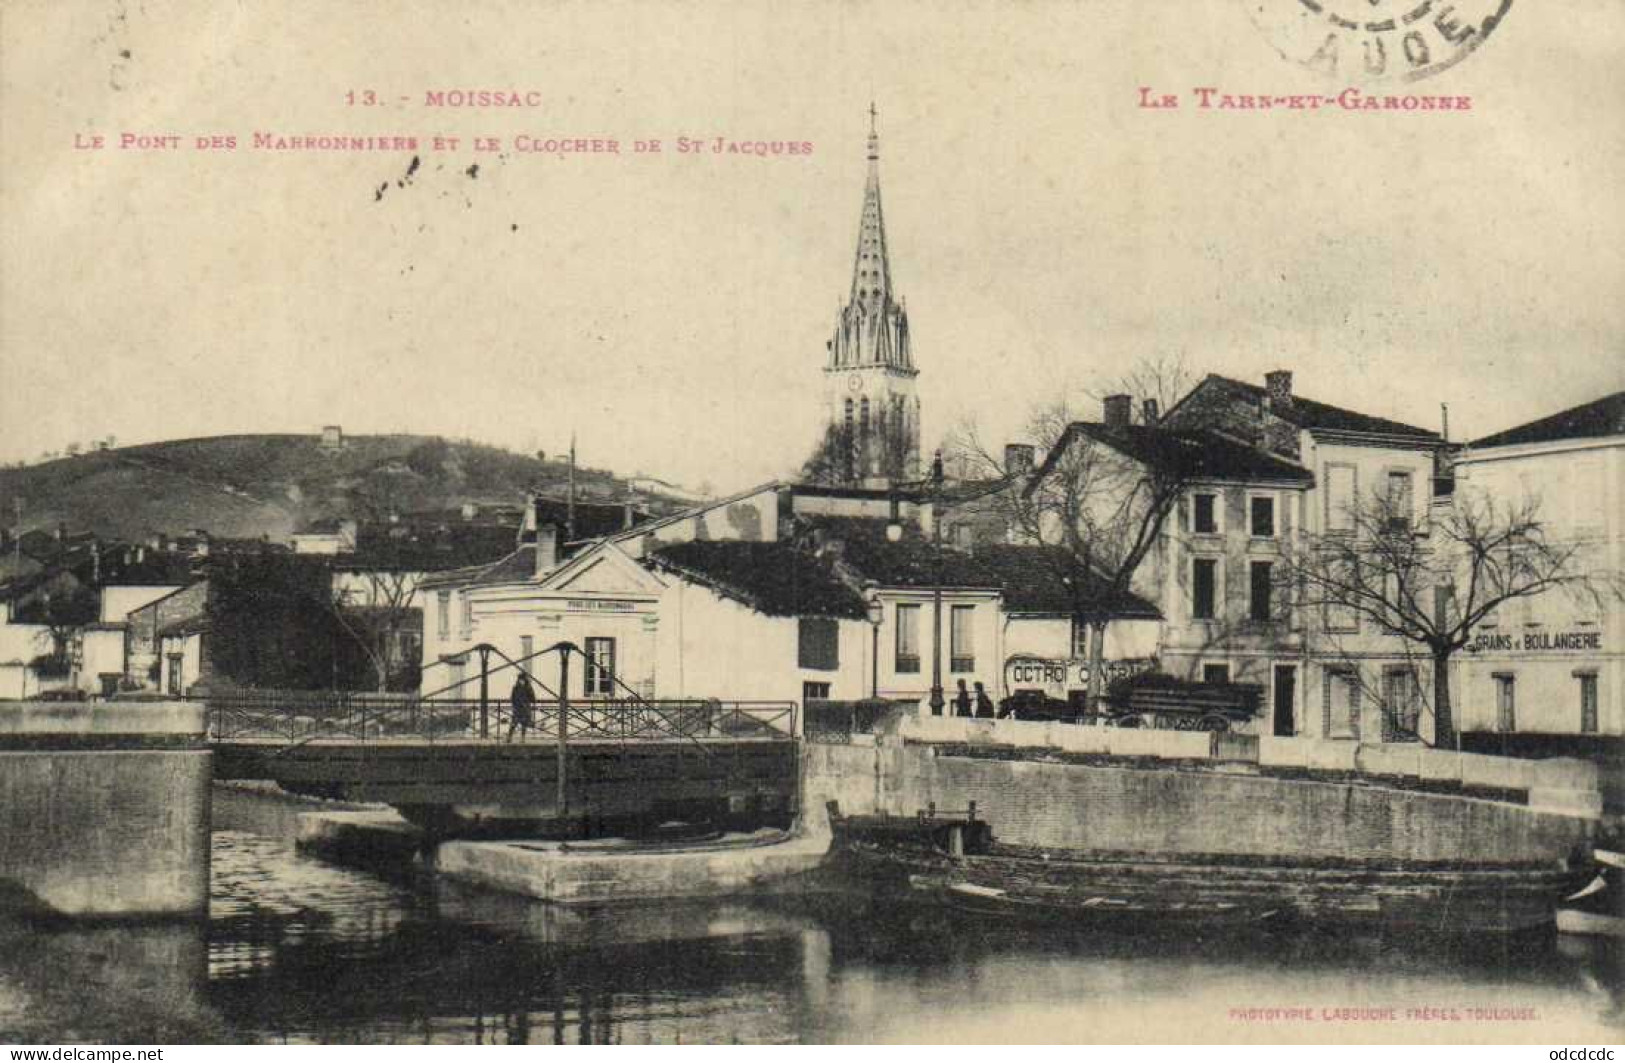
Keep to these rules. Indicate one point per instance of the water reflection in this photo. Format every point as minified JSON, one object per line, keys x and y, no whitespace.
{"x":299,"y":950}
{"x":136,"y":983}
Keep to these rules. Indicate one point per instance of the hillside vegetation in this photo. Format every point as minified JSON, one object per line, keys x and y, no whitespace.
{"x":251,"y":486}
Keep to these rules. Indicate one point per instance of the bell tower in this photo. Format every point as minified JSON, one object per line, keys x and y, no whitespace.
{"x":869,"y":377}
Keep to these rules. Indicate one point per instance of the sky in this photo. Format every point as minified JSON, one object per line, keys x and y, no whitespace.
{"x":670,"y":310}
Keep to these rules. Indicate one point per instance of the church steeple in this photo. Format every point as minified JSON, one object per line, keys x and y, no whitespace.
{"x":872,"y":328}
{"x":870,"y":372}
{"x":871,"y":268}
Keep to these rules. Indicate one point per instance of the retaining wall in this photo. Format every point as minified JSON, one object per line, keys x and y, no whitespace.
{"x":104,"y":809}
{"x":1197,"y":810}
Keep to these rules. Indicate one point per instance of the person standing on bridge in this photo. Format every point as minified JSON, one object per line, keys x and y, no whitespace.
{"x":984,"y":704}
{"x":523,"y":699}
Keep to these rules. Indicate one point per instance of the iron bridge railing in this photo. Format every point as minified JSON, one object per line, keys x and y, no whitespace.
{"x":304,"y":716}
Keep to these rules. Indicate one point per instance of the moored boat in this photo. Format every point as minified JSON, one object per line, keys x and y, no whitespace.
{"x":1598,"y":909}
{"x":953,"y":860}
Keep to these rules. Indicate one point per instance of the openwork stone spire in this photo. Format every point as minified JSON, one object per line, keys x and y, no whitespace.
{"x":872,"y":329}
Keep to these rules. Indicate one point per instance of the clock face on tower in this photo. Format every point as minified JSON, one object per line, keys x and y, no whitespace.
{"x":854,"y":382}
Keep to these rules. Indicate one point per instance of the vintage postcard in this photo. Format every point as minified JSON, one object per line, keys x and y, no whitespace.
{"x":927,"y":521}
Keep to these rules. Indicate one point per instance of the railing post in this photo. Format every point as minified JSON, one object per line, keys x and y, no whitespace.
{"x":564,"y":733}
{"x":485,"y":692}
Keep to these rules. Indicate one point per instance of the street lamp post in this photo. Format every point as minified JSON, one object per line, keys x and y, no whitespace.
{"x":937,"y":700}
{"x":877,"y":615}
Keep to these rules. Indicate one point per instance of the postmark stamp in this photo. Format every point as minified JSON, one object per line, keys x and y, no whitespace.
{"x":1377,"y":40}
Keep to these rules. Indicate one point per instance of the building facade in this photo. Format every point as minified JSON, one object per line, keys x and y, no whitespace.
{"x":786,"y":593}
{"x":1350,"y":681}
{"x":1212,"y":562}
{"x":1547,"y":673}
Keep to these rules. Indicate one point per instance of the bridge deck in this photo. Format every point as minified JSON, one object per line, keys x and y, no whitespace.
{"x":602,"y":777}
{"x":629,"y":756}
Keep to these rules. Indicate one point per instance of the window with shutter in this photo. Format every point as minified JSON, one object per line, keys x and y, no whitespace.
{"x":819,"y":644}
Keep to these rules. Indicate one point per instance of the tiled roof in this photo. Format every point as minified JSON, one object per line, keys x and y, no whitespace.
{"x":774,"y":578}
{"x":1307,"y":413}
{"x":428,"y":547}
{"x":1033,"y":578}
{"x":519,"y":565}
{"x":1604,"y":417}
{"x":186,"y":625}
{"x":593,"y":520}
{"x":155,"y":569}
{"x":912,"y":561}
{"x":1188,"y":453}
{"x":1030,"y":577}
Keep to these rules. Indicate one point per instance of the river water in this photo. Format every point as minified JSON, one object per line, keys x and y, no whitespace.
{"x":297,"y":950}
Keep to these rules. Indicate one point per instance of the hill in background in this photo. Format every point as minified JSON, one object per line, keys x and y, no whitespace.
{"x":254,"y":486}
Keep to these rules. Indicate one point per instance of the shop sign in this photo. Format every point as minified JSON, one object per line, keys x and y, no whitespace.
{"x":1055,"y":677}
{"x":1535,"y":642}
{"x":594,"y":605}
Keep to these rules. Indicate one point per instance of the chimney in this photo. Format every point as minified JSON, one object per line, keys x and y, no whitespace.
{"x":527,"y":522}
{"x":547,"y":548}
{"x":1018,"y":459}
{"x":1149,"y":411}
{"x":1119,"y":410}
{"x":1278,"y":385}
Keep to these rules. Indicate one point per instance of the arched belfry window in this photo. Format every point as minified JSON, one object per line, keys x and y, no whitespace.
{"x":863,"y":417}
{"x":849,"y":415}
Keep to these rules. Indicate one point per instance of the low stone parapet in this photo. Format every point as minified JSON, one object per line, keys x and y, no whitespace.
{"x":1567,"y":786}
{"x":1069,"y":738}
{"x":122,"y":718}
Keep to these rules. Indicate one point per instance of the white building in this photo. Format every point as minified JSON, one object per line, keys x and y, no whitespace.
{"x":707,"y":604}
{"x":1547,"y":673}
{"x":781,"y":593}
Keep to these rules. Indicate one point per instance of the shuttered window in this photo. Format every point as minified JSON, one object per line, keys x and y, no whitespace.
{"x":819,"y":644}
{"x":1263,"y":575}
{"x":1588,"y":702}
{"x":1204,"y":588}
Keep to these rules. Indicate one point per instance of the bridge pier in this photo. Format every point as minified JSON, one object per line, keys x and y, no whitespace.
{"x":104,"y":809}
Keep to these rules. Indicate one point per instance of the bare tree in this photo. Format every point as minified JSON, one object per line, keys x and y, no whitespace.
{"x":834,"y":460}
{"x":1432,"y":584}
{"x":1161,"y":378}
{"x":847,"y":453}
{"x":63,"y":614}
{"x":375,"y":614}
{"x":1099,"y":500}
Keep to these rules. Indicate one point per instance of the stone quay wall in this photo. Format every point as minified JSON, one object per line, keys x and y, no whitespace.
{"x":1186,"y":802}
{"x":104,"y":809}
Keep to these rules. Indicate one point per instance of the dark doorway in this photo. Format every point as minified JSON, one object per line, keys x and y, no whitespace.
{"x":1286,"y":695}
